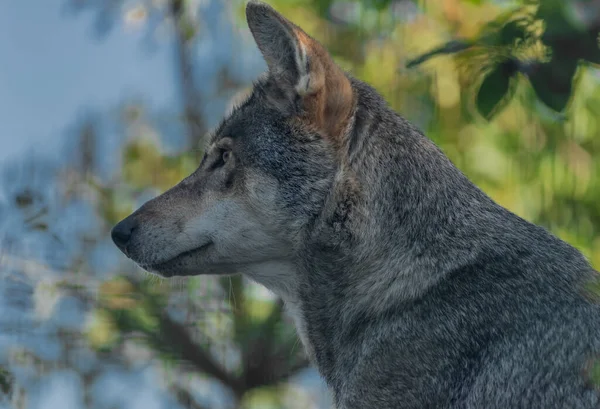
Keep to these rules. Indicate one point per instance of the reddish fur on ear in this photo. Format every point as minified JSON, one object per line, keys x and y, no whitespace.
{"x":302,"y":67}
{"x":326,"y":92}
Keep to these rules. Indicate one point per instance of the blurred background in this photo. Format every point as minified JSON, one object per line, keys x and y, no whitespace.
{"x":105,"y":103}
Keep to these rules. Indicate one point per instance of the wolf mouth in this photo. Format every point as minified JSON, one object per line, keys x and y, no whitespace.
{"x":168,"y":268}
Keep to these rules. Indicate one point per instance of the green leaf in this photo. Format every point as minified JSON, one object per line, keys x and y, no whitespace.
{"x":511,"y":32}
{"x":6,"y":381}
{"x":494,"y":89}
{"x":380,"y":4}
{"x":145,"y":318}
{"x":189,"y":30}
{"x":553,"y":82}
{"x":591,"y":51}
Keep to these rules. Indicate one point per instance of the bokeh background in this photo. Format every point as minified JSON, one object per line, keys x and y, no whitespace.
{"x":105,"y":103}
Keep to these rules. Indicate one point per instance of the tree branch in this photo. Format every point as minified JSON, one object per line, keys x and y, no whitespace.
{"x":179,"y":340}
{"x":185,"y":398}
{"x":192,"y":101}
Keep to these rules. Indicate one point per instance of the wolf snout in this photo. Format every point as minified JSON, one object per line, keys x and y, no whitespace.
{"x":122,"y":232}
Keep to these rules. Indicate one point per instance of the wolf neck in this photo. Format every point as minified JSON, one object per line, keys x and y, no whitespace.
{"x":400,"y":215}
{"x":400,"y":218}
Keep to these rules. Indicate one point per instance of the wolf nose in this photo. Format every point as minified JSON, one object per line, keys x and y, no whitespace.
{"x":121,"y":233}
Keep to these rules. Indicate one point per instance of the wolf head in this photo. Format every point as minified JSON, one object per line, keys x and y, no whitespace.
{"x":267,"y":169}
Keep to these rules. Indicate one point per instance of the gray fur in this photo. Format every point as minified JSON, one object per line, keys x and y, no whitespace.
{"x":410,"y":287}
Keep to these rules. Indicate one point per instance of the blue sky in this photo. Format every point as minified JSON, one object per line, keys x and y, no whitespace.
{"x":52,"y":67}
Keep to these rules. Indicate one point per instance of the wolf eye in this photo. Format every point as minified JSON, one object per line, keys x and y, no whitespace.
{"x":225,"y":155}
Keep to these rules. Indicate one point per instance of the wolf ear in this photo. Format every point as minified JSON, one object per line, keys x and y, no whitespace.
{"x":303,"y":69}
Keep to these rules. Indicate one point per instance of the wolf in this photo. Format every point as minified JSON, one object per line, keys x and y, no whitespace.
{"x":409,"y":286}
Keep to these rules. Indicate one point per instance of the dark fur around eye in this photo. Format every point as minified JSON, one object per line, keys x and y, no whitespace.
{"x":203,"y":159}
{"x":224,"y":155}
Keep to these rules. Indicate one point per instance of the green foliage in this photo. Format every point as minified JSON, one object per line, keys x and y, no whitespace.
{"x":6,"y":381}
{"x":513,"y":34}
{"x":553,"y":81}
{"x":496,"y":88}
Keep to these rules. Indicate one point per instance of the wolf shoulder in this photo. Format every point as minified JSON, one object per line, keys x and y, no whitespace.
{"x":515,"y":328}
